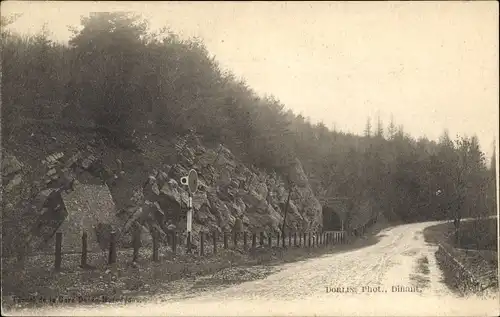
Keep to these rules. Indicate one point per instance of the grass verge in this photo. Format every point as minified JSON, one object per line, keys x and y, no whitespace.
{"x":482,"y":269}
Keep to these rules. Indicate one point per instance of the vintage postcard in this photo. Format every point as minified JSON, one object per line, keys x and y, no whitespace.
{"x":249,"y":158}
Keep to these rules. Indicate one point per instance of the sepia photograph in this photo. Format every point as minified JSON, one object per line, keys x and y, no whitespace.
{"x":249,"y":158}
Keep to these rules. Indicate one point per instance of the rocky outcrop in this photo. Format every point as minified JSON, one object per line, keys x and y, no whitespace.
{"x":39,"y":214}
{"x":231,"y":196}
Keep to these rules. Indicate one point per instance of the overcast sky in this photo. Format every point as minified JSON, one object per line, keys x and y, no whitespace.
{"x":432,"y":65}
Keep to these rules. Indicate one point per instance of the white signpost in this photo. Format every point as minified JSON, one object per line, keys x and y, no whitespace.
{"x":191,"y":181}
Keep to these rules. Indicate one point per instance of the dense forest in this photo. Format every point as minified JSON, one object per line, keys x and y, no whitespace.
{"x":121,"y":79}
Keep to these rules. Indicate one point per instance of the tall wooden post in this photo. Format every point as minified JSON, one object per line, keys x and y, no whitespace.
{"x":112,"y":248}
{"x":136,"y":242}
{"x":214,"y":237}
{"x":83,"y":260}
{"x":155,"y":245}
{"x":202,"y":243}
{"x":174,"y":242}
{"x":188,"y":242}
{"x":235,"y":239}
{"x":58,"y":251}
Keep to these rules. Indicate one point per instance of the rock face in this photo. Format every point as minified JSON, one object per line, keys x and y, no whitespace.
{"x":39,"y":211}
{"x":231,"y":196}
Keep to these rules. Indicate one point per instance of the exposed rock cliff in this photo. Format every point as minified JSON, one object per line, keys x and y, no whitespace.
{"x":230,"y":194}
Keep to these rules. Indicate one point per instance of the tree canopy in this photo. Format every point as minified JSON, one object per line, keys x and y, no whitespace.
{"x":119,"y":77}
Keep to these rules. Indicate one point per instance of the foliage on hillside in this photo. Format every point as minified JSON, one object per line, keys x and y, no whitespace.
{"x":118,"y":79}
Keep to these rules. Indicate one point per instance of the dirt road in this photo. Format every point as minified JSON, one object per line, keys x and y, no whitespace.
{"x":398,"y":276}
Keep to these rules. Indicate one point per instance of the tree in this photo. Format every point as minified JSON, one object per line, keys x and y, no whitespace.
{"x":368,"y":127}
{"x":108,"y":49}
{"x":391,"y":129}
{"x":380,"y":128}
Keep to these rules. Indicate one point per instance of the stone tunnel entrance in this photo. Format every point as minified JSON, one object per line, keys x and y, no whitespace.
{"x":331,"y":220}
{"x":336,"y":214}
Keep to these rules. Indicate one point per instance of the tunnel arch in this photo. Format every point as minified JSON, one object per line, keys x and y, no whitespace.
{"x":331,"y":219}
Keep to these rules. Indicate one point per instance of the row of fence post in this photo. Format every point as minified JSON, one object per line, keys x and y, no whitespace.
{"x":309,"y":239}
{"x":295,"y":239}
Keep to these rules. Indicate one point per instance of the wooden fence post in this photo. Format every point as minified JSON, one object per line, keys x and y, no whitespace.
{"x":245,"y":242}
{"x":225,"y":240}
{"x":235,"y":239}
{"x":174,"y":242}
{"x":254,"y":240}
{"x":214,"y":237}
{"x":202,"y":243}
{"x":155,"y":245}
{"x":188,"y":242}
{"x":136,"y":243}
{"x":83,"y":261}
{"x":112,"y":248}
{"x":58,"y":251}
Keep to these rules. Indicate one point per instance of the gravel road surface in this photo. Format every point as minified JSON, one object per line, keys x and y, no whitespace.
{"x":398,"y":276}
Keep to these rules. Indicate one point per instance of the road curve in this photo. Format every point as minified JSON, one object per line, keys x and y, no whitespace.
{"x":398,"y":276}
